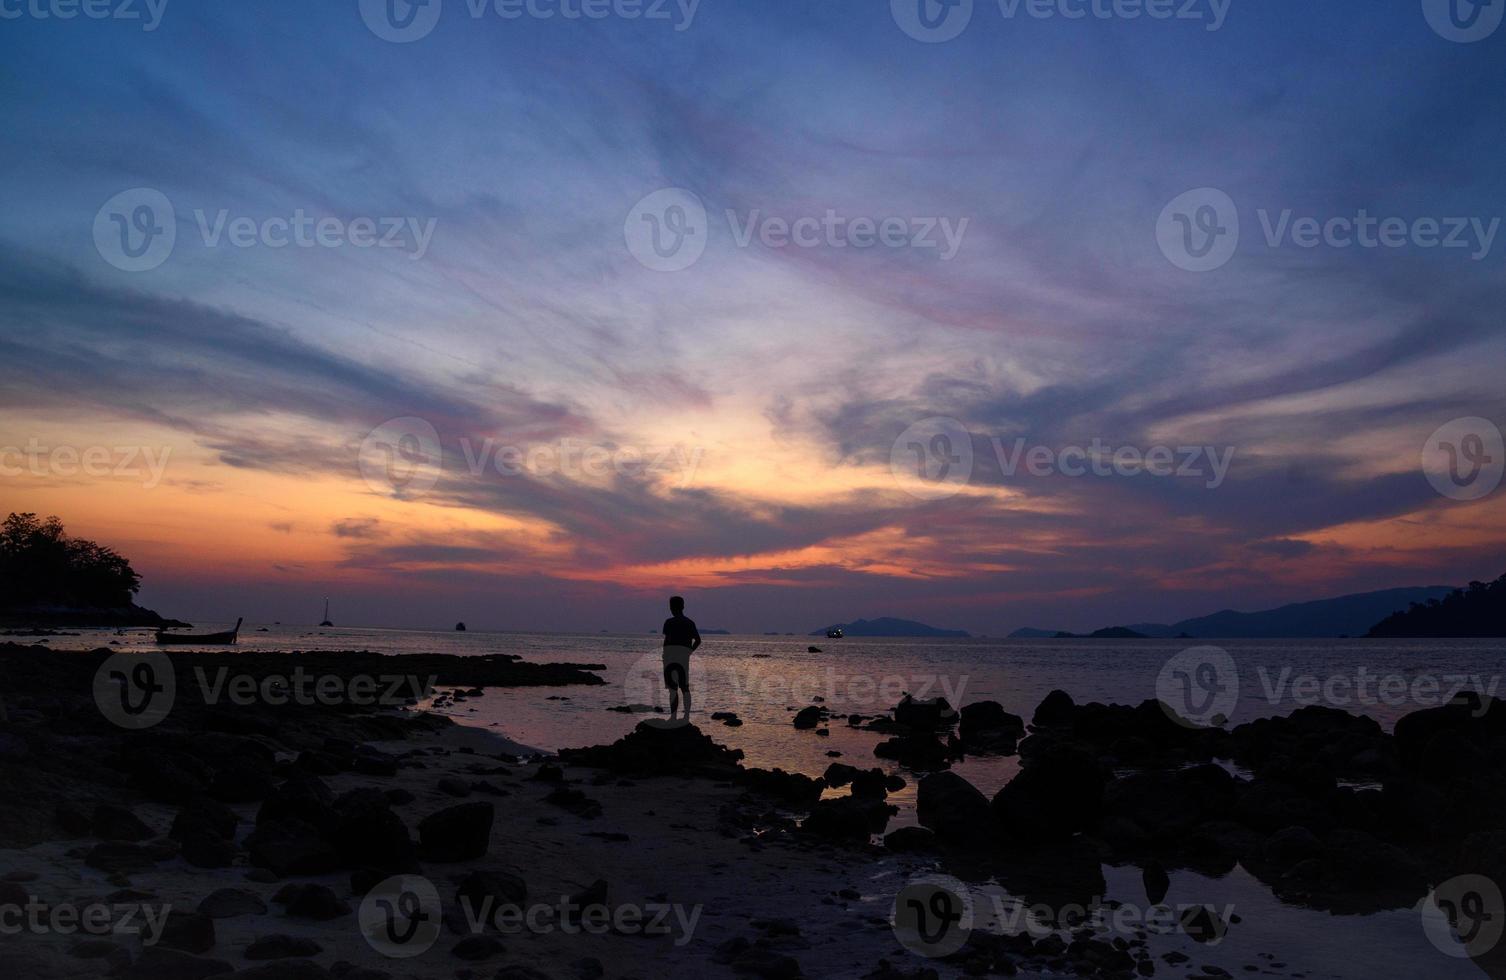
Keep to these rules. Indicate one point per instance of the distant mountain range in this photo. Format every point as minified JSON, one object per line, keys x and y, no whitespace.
{"x":887,"y":626}
{"x":1349,"y":615}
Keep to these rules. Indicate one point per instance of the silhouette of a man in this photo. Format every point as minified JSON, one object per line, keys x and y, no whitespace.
{"x":681,"y":638}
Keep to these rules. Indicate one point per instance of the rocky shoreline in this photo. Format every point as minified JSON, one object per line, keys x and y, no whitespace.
{"x":267,"y":828}
{"x":58,"y":617}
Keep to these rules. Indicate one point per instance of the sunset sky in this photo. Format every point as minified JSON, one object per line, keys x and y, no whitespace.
{"x":743,"y":412}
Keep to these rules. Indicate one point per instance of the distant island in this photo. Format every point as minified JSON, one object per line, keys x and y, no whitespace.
{"x":1479,"y":610}
{"x":1108,"y":633}
{"x":1349,"y":615}
{"x":888,"y":626}
{"x":54,"y":579}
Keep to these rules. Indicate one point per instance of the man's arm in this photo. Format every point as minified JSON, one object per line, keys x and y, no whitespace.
{"x":695,"y":637}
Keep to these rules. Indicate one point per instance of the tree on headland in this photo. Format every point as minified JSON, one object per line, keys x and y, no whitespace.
{"x":42,"y":567}
{"x":1479,"y":610}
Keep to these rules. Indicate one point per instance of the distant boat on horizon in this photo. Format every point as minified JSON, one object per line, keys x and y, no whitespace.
{"x":326,"y":621}
{"x":835,"y":633}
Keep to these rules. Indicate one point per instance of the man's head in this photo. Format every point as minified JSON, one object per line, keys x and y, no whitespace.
{"x":676,"y":604}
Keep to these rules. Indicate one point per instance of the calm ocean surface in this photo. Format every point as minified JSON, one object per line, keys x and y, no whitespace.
{"x":763,"y":677}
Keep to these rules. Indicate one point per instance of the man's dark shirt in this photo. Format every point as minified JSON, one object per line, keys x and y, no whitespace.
{"x":680,"y":631}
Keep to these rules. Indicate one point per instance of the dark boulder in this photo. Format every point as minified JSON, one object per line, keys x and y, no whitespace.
{"x":658,"y":749}
{"x":924,"y":716}
{"x":1057,"y":709}
{"x":808,"y":718}
{"x":280,"y":947}
{"x":228,"y":903}
{"x":310,"y":901}
{"x":909,"y":839}
{"x":986,"y":726}
{"x":190,"y":932}
{"x":112,"y":822}
{"x":796,"y":789}
{"x":922,"y":752}
{"x":160,"y":963}
{"x":457,"y":833}
{"x":301,"y":797}
{"x":954,"y":809}
{"x":1057,"y":795}
{"x":205,"y":850}
{"x":204,"y":814}
{"x":848,"y":818}
{"x":292,"y":847}
{"x":1166,"y":805}
{"x":368,"y":834}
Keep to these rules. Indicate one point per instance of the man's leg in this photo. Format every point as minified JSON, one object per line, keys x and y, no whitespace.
{"x":686,"y":689}
{"x":673,"y":680}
